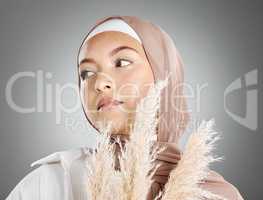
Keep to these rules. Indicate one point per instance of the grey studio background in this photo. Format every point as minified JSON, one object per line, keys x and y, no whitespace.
{"x":221,"y":46}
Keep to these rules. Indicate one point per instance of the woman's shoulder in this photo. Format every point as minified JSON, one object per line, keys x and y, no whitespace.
{"x":48,"y":180}
{"x":64,"y":158}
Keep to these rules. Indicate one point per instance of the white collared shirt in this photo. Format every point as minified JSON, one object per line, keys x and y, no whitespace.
{"x":60,"y":176}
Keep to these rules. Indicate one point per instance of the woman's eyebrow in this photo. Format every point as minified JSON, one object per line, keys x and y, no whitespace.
{"x":116,"y":50}
{"x":87,"y":60}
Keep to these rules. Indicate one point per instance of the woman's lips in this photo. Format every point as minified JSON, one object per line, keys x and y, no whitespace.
{"x":107,"y":103}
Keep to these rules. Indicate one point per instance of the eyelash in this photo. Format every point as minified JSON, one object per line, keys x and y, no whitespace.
{"x":84,"y":73}
{"x":120,"y":59}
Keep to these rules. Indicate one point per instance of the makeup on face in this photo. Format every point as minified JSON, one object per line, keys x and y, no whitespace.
{"x":116,"y":73}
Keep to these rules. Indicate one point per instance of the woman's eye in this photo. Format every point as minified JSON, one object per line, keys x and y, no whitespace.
{"x":122,"y":62}
{"x":86,"y":74}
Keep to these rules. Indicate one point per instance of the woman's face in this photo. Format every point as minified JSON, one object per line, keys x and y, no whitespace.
{"x":113,"y":65}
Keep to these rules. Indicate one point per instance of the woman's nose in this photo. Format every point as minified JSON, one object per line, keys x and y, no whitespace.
{"x":103,"y":84}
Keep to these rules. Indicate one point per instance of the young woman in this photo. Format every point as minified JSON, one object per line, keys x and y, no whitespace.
{"x":120,"y":58}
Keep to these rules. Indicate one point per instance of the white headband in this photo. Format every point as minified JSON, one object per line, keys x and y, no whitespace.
{"x":114,"y":25}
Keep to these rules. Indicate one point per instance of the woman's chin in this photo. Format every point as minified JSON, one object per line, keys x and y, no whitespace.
{"x":112,"y":115}
{"x":115,"y":120}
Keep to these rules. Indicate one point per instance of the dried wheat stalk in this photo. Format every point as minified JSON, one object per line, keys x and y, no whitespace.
{"x":100,"y":167}
{"x":137,"y":159}
{"x":193,"y":168}
{"x":133,"y":181}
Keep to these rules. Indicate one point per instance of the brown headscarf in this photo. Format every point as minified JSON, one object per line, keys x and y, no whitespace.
{"x":164,"y":59}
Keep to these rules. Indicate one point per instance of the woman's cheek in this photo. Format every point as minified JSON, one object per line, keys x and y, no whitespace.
{"x":88,"y":98}
{"x":128,"y":89}
{"x":131,"y":93}
{"x":129,"y":106}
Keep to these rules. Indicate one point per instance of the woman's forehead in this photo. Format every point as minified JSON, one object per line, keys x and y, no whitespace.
{"x":106,"y":41}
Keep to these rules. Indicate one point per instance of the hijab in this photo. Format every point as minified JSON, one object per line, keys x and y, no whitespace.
{"x":165,"y":59}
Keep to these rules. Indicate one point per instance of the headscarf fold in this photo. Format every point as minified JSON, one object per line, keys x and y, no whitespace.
{"x":165,"y":59}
